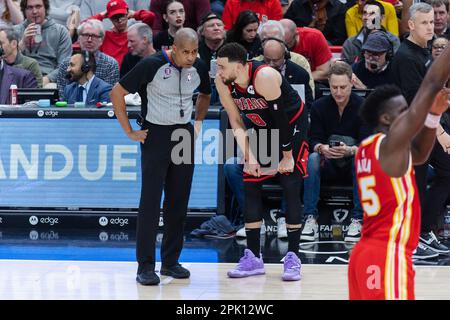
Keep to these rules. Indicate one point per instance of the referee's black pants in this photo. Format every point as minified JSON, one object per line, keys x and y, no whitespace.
{"x":160,"y":171}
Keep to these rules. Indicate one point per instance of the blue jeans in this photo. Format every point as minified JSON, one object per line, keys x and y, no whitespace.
{"x":233,"y":172}
{"x":330,"y":172}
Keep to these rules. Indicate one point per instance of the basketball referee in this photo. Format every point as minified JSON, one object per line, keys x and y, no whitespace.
{"x":166,"y":82}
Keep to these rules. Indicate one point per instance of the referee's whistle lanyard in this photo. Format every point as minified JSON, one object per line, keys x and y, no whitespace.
{"x":171,"y":61}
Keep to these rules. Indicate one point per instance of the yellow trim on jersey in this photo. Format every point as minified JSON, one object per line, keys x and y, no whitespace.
{"x":377,"y":146}
{"x":389,"y":276}
{"x":369,"y":140}
{"x":404,"y":237}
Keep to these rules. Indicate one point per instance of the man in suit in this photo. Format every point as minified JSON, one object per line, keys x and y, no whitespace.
{"x":278,"y":57}
{"x":85,"y":86}
{"x":11,"y":75}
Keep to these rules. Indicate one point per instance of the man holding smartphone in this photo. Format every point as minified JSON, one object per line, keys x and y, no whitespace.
{"x":335,"y":131}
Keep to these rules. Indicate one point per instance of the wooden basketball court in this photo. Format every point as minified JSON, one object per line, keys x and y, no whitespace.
{"x":99,"y":280}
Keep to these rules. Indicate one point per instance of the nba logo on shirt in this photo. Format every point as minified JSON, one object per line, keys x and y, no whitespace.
{"x":250,"y":89}
{"x":189,"y":77}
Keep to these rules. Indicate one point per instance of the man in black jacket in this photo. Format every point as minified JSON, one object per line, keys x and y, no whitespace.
{"x":335,"y":132}
{"x":409,"y":66}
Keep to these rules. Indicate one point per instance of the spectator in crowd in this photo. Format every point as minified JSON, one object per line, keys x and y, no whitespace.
{"x":373,"y":12}
{"x":11,"y":75}
{"x":413,"y":58}
{"x":439,"y":191}
{"x":374,"y":69}
{"x":212,"y":37}
{"x":89,"y":8}
{"x":265,"y":10}
{"x":174,"y":16}
{"x":274,"y":29}
{"x":408,"y":69}
{"x":311,"y":44}
{"x":441,"y":18}
{"x":140,"y":45}
{"x":115,"y":43}
{"x":10,"y":12}
{"x":194,"y":10}
{"x":244,"y":32}
{"x":9,"y":41}
{"x":354,"y":18}
{"x":85,"y":86}
{"x":43,"y":39}
{"x":328,"y":16}
{"x":91,"y":35}
{"x":278,"y":57}
{"x":285,"y":5}
{"x":66,"y":13}
{"x":438,"y":45}
{"x":335,"y":132}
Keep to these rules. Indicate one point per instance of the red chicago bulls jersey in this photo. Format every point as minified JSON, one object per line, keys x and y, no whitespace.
{"x":255,"y":107}
{"x":391,"y":205}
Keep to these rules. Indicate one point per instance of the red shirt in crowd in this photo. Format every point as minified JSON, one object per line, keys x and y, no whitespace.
{"x":313,"y":46}
{"x":115,"y":44}
{"x":265,"y":10}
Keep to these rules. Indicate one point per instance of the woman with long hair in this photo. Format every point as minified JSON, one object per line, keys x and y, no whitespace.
{"x":245,"y":33}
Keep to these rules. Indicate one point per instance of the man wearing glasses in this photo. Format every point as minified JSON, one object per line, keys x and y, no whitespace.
{"x":115,"y":43}
{"x":90,"y":38}
{"x":42,"y":38}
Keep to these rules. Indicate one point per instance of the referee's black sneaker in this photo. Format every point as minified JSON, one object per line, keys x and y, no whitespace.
{"x":147,"y":278}
{"x":176,"y":271}
{"x":430,"y":241}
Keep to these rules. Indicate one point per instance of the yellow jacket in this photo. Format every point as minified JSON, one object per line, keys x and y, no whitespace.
{"x":353,"y":19}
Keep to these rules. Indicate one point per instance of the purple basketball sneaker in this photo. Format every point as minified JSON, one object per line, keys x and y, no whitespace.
{"x":292,"y":267}
{"x":249,"y":265}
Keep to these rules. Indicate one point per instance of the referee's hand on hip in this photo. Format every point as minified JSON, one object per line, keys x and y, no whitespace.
{"x":138,"y":135}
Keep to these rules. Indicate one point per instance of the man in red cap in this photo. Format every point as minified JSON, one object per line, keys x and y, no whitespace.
{"x":115,"y":43}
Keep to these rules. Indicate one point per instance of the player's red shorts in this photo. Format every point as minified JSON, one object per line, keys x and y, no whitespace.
{"x":376,"y":272}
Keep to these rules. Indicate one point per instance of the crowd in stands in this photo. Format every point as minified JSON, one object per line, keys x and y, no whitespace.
{"x":83,"y":48}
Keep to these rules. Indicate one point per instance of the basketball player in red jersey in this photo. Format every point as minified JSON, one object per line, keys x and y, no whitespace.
{"x":265,"y":97}
{"x":380,"y":265}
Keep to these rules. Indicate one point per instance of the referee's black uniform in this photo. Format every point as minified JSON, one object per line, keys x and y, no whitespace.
{"x":166,"y":92}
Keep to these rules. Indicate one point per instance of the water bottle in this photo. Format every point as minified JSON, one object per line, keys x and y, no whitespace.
{"x":38,"y":35}
{"x":13,"y":94}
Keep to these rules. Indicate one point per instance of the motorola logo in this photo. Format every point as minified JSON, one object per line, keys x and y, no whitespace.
{"x":110,"y":113}
{"x":103,"y":221}
{"x":103,"y":236}
{"x":33,"y":220}
{"x":34,"y":235}
{"x":40,"y":113}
